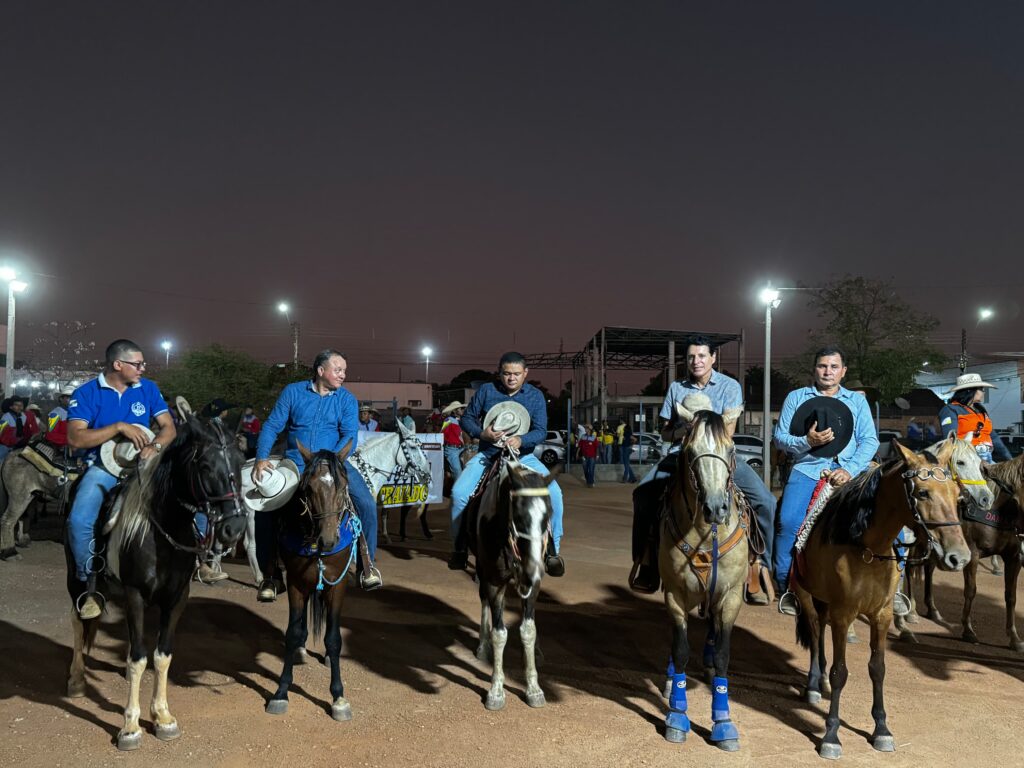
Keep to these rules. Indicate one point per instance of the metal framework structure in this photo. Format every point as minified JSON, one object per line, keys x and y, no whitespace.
{"x":622,"y":349}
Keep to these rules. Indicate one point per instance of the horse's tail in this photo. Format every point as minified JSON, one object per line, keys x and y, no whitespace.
{"x":317,"y":610}
{"x":803,"y":630}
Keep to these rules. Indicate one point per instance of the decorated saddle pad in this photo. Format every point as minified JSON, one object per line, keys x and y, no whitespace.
{"x":49,"y":459}
{"x":297,"y":545}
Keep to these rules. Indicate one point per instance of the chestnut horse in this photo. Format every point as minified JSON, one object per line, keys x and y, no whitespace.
{"x":849,"y":568}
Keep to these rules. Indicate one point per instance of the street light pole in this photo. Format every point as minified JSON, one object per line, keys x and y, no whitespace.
{"x":13,"y":286}
{"x":285,"y":310}
{"x":427,"y":352}
{"x":983,"y":314}
{"x":770,"y":298}
{"x":166,"y":347}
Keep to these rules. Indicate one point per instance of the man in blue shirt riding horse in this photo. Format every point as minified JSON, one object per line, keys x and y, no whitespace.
{"x":510,"y":386}
{"x":322,"y":415}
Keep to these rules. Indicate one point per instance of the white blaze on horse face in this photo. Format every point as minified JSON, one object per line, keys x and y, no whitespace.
{"x":327,"y":479}
{"x":536,"y":511}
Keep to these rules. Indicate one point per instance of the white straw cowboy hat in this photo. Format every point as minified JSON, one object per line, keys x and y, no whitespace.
{"x":67,"y":391}
{"x":453,"y":406}
{"x":275,"y":488}
{"x":508,"y":417}
{"x":120,"y":454}
{"x":970,"y":381}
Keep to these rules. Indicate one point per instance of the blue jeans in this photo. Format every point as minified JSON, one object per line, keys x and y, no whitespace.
{"x":588,"y":470}
{"x":366,"y":507}
{"x":453,"y":455}
{"x":795,"y":499}
{"x":4,"y":450}
{"x":82,"y":520}
{"x":627,"y":468}
{"x":763,"y":503}
{"x":470,"y":477}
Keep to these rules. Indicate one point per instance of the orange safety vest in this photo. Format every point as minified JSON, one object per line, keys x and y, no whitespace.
{"x":978,"y":423}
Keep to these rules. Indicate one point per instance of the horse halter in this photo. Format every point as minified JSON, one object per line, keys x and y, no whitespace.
{"x":940,"y":474}
{"x":202,"y":500}
{"x":514,"y":535}
{"x":691,"y":468}
{"x":345,"y":507}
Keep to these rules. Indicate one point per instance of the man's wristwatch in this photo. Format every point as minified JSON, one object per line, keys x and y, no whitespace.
{"x":156,"y":446}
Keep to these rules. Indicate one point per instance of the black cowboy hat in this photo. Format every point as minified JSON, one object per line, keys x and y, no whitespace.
{"x":218,"y":406}
{"x":829,"y":412}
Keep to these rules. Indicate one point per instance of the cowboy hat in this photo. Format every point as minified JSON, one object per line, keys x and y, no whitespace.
{"x":829,"y":413}
{"x":120,"y":454}
{"x":365,"y":409}
{"x":218,"y":406}
{"x":970,"y":381}
{"x":184,"y":409}
{"x":508,"y":417}
{"x":66,"y":391}
{"x":275,"y":488}
{"x":452,"y":406}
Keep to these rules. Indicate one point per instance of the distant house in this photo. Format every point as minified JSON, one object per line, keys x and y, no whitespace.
{"x":1005,"y":405}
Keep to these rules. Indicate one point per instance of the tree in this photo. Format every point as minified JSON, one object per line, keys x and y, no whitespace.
{"x":62,"y":349}
{"x":202,"y":375}
{"x":753,"y":383}
{"x":884,"y":339}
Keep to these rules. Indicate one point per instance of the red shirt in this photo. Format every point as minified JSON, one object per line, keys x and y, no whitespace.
{"x":452,"y":433}
{"x":9,"y":430}
{"x":588,"y":446}
{"x":250,"y":425}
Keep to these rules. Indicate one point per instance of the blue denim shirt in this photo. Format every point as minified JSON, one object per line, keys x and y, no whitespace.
{"x":490,"y":395}
{"x":321,"y":422}
{"x":854,"y":458}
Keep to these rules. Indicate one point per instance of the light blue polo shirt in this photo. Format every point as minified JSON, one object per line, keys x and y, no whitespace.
{"x":99,"y":405}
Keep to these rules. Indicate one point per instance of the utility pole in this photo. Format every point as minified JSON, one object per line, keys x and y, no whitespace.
{"x":963,"y":350}
{"x":295,"y":345}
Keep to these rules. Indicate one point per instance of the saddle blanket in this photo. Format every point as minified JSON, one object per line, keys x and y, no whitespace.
{"x":297,"y":545}
{"x":49,"y":460}
{"x":1006,"y":518}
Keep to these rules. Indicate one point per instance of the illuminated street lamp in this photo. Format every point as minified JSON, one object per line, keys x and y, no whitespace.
{"x":285,"y":310}
{"x":427,"y":352}
{"x":14,"y":285}
{"x":166,"y":345}
{"x":770,"y":298}
{"x":984,"y":313}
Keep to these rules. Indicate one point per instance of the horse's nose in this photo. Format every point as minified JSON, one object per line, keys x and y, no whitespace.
{"x":956,"y":561}
{"x":986,"y":500}
{"x":232,"y":529}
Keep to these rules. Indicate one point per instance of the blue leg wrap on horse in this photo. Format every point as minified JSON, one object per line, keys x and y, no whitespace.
{"x":723,"y":729}
{"x":677,"y":699}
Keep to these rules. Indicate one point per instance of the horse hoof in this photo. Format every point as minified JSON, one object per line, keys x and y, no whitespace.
{"x":812,"y":697}
{"x":536,"y":700}
{"x":24,"y":542}
{"x":1017,"y":646}
{"x":830,"y":751}
{"x":126,"y":742}
{"x":675,"y":735}
{"x":936,"y":617}
{"x":728,"y":745}
{"x":341,"y":710}
{"x":277,"y":706}
{"x":10,"y":554}
{"x":912,"y":618}
{"x":300,"y":656}
{"x":483,"y":652}
{"x":76,"y":689}
{"x":166,"y":732}
{"x":884,"y":743}
{"x":494,"y":703}
{"x":908,"y":637}
{"x":970,"y":637}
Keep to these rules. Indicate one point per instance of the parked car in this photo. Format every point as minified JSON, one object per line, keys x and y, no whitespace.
{"x":647,"y":448}
{"x":749,"y":448}
{"x":552,"y":450}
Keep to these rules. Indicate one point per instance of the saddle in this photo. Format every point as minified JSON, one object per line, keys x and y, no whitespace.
{"x":469,"y":514}
{"x":51,"y":460}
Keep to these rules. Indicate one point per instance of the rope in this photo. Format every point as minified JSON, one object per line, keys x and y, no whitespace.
{"x":357,"y":529}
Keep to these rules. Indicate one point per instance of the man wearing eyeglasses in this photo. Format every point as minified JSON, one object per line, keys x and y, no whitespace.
{"x":117,"y":402}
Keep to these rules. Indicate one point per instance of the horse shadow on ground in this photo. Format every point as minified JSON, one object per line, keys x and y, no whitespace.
{"x":939,"y":648}
{"x":615,"y":649}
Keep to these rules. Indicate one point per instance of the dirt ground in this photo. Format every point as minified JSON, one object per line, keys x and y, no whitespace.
{"x":417,"y":690}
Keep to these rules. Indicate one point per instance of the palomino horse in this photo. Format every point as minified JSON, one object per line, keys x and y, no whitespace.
{"x":318,"y":546}
{"x":703,"y":560}
{"x":39,"y":470}
{"x":849,"y":568}
{"x":976,"y":493}
{"x":997,"y":532}
{"x":508,"y":534}
{"x":152,"y":552}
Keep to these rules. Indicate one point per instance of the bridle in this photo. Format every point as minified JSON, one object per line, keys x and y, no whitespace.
{"x":307,"y":511}
{"x":400,"y":474}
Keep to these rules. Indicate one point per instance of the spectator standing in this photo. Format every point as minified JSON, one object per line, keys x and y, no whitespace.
{"x":588,"y":448}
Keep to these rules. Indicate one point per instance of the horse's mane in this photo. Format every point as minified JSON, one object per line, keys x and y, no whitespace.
{"x":1010,"y":473}
{"x":848,"y":512}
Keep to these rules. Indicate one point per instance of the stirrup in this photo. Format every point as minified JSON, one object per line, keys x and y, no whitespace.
{"x":86,"y":595}
{"x":788,"y":604}
{"x":372,"y":580}
{"x":900,"y":604}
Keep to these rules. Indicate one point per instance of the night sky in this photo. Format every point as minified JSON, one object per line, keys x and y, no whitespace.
{"x":482,"y":175}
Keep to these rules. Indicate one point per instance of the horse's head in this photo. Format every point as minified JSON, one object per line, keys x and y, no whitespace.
{"x":707,"y":461}
{"x":933,"y":495}
{"x":528,"y":518}
{"x":323,"y":493}
{"x":411,"y":459}
{"x":214,"y":476}
{"x":1009,"y":476}
{"x":966,"y":465}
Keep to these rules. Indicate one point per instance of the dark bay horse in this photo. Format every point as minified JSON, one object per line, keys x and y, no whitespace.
{"x":151,"y":551}
{"x":849,"y":568}
{"x":508,"y":528}
{"x":318,"y":546}
{"x":998,"y":532}
{"x":703,"y":560}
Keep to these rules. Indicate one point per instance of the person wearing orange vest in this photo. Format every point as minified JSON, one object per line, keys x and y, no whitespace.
{"x":965,"y":415}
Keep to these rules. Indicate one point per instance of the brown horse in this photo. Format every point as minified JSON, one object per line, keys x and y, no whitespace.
{"x":703,"y":560}
{"x":849,"y":568}
{"x":999,"y":535}
{"x":318,"y":545}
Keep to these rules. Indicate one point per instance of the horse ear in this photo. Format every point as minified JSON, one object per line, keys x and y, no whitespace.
{"x":345,"y":450}
{"x":684,"y":414}
{"x":402,"y":429}
{"x":303,"y":451}
{"x":945,"y":452}
{"x":731,"y":415}
{"x":904,"y":452}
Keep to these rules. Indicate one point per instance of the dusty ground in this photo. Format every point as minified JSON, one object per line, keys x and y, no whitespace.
{"x":417,"y":690}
